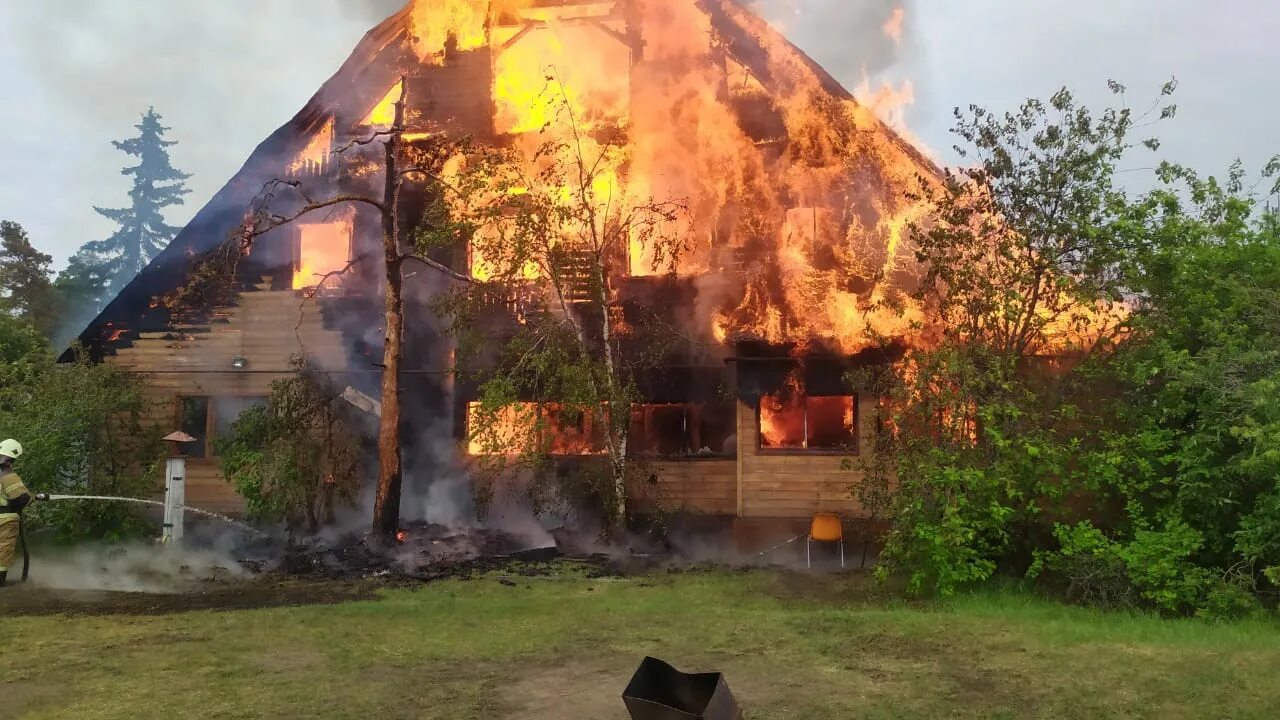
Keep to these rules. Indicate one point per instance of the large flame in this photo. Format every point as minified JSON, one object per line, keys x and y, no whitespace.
{"x":797,"y":197}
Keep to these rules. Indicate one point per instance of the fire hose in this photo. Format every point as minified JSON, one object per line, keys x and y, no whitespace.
{"x":26,"y":554}
{"x":45,"y":497}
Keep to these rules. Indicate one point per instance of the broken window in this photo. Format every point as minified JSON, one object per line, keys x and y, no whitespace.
{"x":314,"y":158}
{"x":384,"y":113}
{"x":681,"y":429}
{"x":505,"y":431}
{"x":572,"y":431}
{"x":807,"y":422}
{"x":193,"y":419}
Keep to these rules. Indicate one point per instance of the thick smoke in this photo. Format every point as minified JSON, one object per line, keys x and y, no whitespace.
{"x":847,"y":37}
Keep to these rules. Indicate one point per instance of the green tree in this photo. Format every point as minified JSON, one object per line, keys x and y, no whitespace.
{"x":1023,"y":256}
{"x":550,"y":234}
{"x":1192,"y":451}
{"x":26,"y":289}
{"x":104,"y":267}
{"x":83,"y":430}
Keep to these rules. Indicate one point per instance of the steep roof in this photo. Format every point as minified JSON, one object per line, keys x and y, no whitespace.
{"x":356,"y":87}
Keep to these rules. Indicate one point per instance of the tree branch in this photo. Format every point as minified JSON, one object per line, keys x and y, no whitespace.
{"x":440,"y":268}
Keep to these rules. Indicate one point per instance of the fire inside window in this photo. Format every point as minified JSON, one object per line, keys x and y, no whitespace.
{"x":323,"y":248}
{"x":800,"y":422}
{"x":684,"y":429}
{"x":313,"y":158}
{"x":522,"y":427}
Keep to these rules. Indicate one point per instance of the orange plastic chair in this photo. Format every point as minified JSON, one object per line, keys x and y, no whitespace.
{"x":825,"y":527}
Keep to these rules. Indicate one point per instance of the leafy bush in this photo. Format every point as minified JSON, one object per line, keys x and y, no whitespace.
{"x":1129,"y":455}
{"x":294,"y":460}
{"x":83,"y":431}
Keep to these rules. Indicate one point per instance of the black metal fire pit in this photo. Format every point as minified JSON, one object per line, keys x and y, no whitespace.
{"x":658,"y":691}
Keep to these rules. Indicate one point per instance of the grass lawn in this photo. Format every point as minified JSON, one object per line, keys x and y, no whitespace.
{"x":562,"y":648}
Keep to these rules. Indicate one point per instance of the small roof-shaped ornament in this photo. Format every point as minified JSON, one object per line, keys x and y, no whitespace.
{"x":179,"y":437}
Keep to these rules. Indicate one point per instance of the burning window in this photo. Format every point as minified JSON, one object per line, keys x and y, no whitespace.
{"x":315,"y":156}
{"x":193,"y":419}
{"x":801,"y":422}
{"x":384,"y":113}
{"x":520,"y":427}
{"x":571,"y":431}
{"x":703,"y":429}
{"x":323,"y":248}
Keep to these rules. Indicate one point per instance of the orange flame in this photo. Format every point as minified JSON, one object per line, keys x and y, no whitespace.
{"x":807,"y":190}
{"x":317,"y":150}
{"x":323,"y":248}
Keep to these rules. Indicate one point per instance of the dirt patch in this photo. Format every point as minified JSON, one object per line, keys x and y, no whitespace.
{"x":835,"y":588}
{"x":572,"y":690}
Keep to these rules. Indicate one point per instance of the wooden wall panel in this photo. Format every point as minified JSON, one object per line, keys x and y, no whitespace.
{"x":267,"y":327}
{"x":796,"y":484}
{"x":700,"y":487}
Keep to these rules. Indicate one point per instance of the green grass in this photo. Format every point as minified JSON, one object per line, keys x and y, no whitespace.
{"x":562,"y":648}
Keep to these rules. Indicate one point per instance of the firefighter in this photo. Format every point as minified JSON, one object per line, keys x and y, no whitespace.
{"x":13,"y":498}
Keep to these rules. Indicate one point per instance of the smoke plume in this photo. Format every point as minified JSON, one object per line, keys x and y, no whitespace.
{"x":847,"y":37}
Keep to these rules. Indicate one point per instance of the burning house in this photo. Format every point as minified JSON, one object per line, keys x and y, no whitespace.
{"x":798,"y":198}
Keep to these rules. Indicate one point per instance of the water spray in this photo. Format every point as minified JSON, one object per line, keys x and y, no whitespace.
{"x":43,"y":497}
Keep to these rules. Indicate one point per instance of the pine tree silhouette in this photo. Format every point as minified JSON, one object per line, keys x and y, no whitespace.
{"x":143,"y":232}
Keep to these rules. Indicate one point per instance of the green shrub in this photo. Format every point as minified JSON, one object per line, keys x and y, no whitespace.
{"x":83,"y":431}
{"x":296,"y":459}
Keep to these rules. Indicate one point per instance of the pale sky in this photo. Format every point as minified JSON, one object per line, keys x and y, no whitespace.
{"x":76,"y":74}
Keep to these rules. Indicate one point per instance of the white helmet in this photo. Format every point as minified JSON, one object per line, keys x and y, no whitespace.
{"x":11,"y":449}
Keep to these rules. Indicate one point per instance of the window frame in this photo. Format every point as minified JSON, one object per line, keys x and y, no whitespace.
{"x":855,"y":448}
{"x":210,"y":418}
{"x":691,"y":415}
{"x":180,"y":412}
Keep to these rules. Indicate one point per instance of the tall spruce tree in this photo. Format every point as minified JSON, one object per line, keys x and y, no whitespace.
{"x":102,"y":268}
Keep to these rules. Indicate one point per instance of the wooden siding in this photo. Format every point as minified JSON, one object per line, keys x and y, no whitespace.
{"x":784,"y":484}
{"x":758,"y":483}
{"x":267,"y":328}
{"x":698,"y":487}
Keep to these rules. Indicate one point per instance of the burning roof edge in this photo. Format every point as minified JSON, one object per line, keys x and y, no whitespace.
{"x":738,"y":33}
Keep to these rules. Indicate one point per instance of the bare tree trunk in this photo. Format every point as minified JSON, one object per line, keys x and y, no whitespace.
{"x":617,"y":450}
{"x":386,"y":508}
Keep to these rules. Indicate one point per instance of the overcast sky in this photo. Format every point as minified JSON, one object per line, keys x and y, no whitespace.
{"x":75,"y":74}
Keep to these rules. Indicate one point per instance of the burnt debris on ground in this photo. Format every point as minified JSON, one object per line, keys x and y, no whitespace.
{"x":427,"y":551}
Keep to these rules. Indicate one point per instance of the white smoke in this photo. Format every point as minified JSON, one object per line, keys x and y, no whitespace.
{"x":847,"y":37}
{"x":137,"y":567}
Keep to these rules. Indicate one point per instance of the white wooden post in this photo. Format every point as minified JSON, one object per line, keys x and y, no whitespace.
{"x":175,"y":473}
{"x":175,"y":487}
